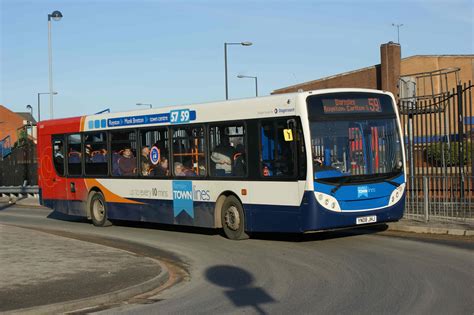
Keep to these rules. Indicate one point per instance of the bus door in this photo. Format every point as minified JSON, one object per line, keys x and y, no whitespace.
{"x":52,"y":173}
{"x":75,"y":186}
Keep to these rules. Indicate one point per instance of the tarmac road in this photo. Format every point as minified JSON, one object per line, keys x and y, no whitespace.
{"x":351,"y":272}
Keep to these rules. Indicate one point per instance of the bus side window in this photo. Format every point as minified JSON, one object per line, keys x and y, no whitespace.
{"x":189,"y":151}
{"x":154,"y":154}
{"x":74,"y":154}
{"x":227,"y":147}
{"x":123,"y":145}
{"x":58,"y":154}
{"x":277,"y":154}
{"x":96,"y":155}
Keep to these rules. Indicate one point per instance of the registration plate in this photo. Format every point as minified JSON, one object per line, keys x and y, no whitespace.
{"x":365,"y":220}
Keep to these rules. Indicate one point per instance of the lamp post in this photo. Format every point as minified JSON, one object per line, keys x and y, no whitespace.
{"x":250,"y":77}
{"x":225,"y":63}
{"x":39,"y":108}
{"x":144,"y":104}
{"x":398,"y":31}
{"x":56,"y":16}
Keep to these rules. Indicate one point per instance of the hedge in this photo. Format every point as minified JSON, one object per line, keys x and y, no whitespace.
{"x":451,"y":153}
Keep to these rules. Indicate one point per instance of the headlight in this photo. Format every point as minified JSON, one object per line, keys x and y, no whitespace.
{"x":327,"y":201}
{"x":396,"y":195}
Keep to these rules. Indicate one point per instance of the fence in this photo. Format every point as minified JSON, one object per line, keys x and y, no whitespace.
{"x":438,"y":134}
{"x":441,"y":199}
{"x":19,"y":168}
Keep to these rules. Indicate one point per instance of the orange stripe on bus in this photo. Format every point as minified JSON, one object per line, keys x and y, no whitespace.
{"x":109,"y":196}
{"x":83,"y":122}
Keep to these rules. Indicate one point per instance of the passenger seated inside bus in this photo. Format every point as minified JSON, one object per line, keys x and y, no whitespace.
{"x":179,"y":169}
{"x":162,"y":168}
{"x":145,"y":162}
{"x":222,"y":157}
{"x":189,"y":168}
{"x":127,"y":163}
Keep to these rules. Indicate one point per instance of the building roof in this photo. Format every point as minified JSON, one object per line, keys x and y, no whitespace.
{"x":326,"y":78}
{"x":367,"y":68}
{"x":26,"y":116}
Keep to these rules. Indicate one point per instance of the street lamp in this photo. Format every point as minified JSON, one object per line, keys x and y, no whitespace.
{"x":144,"y":104}
{"x":30,"y":108}
{"x":250,"y":77}
{"x":56,"y":15}
{"x":225,"y":63}
{"x":39,"y":110}
{"x":398,"y":31}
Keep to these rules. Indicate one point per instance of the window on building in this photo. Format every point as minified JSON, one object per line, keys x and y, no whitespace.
{"x":96,"y":154}
{"x":74,"y":154}
{"x":154,"y":153}
{"x":58,"y":154}
{"x":277,"y":148}
{"x":123,"y":145}
{"x":189,"y":151}
{"x":227,"y":149}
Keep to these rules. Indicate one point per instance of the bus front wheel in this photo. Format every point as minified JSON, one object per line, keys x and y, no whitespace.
{"x":233,"y":220}
{"x":98,"y":210}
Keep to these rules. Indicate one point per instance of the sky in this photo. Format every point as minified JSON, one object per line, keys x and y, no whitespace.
{"x":114,"y":53}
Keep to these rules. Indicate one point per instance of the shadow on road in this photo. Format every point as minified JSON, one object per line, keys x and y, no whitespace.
{"x":239,"y":288}
{"x":8,"y":205}
{"x":283,"y":237}
{"x":168,"y":227}
{"x":55,"y":215}
{"x":320,"y":236}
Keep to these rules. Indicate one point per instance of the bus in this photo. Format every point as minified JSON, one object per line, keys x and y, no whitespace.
{"x":297,"y":163}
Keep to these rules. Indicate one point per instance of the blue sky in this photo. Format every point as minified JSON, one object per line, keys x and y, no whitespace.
{"x":113,"y":54}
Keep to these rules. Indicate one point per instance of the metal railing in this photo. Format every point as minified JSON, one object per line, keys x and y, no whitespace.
{"x":444,"y":199}
{"x":19,"y":191}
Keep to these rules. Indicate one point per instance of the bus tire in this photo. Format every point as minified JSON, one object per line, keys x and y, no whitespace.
{"x":233,"y":220}
{"x":98,"y":210}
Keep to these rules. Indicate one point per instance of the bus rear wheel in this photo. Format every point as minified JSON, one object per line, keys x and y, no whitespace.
{"x":98,"y":210}
{"x":233,"y":220}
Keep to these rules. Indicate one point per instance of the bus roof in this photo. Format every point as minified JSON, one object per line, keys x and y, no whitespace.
{"x":255,"y":107}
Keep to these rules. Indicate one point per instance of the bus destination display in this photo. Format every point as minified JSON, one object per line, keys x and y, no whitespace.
{"x":351,"y":106}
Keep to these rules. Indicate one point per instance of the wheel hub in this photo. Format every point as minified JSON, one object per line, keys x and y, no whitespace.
{"x":232,"y":218}
{"x":98,"y":209}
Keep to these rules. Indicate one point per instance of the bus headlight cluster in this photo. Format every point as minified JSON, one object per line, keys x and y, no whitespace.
{"x":327,"y":201}
{"x":396,"y":195}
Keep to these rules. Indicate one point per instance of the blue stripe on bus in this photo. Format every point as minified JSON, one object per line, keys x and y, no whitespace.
{"x":310,"y":216}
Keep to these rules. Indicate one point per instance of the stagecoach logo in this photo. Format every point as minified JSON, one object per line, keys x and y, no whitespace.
{"x":363,"y":191}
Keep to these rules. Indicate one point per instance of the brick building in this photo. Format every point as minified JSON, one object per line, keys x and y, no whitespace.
{"x":11,"y":122}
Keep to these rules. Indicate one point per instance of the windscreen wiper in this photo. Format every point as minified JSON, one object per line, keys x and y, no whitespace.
{"x":339,"y":185}
{"x":391,"y":182}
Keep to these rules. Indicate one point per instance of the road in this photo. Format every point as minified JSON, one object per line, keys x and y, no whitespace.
{"x":351,"y":272}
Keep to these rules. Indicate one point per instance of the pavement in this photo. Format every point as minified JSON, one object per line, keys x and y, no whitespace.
{"x":458,"y":229}
{"x":42,"y":273}
{"x":354,"y":271}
